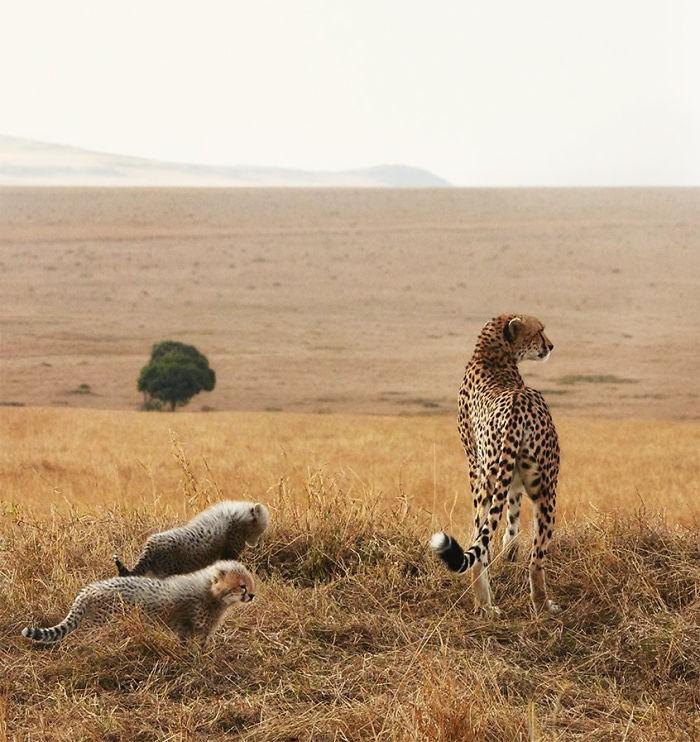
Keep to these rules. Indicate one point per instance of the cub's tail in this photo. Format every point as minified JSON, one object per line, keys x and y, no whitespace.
{"x":61,"y":630}
{"x":122,"y":569}
{"x":450,"y":552}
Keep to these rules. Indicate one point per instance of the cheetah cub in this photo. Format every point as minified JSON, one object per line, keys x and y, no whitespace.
{"x":220,"y":532}
{"x":193,"y":605}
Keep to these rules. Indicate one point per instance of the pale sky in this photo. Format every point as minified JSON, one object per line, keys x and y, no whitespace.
{"x":509,"y":92}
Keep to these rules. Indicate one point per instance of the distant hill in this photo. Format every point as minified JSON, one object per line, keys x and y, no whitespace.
{"x":25,"y":162}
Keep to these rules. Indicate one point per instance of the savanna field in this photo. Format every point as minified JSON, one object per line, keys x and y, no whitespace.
{"x":358,"y":632}
{"x":338,"y":322}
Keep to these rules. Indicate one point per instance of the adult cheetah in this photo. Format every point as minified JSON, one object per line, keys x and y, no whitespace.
{"x":511,"y":446}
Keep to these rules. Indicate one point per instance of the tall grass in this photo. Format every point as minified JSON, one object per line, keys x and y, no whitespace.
{"x":56,"y":459}
{"x":358,"y":632}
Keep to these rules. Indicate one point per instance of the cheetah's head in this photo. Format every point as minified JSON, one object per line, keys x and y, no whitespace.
{"x":525,"y":336}
{"x":232,"y":583}
{"x":256,"y":523}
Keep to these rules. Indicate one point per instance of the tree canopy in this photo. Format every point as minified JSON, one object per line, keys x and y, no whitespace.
{"x":175,"y":373}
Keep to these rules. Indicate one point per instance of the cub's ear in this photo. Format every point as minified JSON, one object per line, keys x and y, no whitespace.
{"x":257,"y":511}
{"x":512,"y":328}
{"x":218,"y":574}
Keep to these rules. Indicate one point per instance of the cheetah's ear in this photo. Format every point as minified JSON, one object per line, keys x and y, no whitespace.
{"x":256,"y":511}
{"x":512,"y":328}
{"x":218,"y":574}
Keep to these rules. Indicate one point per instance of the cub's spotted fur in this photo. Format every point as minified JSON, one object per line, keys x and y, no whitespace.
{"x":193,"y":605}
{"x":511,"y":446}
{"x":220,"y":532}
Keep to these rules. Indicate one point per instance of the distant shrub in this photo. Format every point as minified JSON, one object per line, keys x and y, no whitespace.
{"x":82,"y":389}
{"x":175,"y":373}
{"x":595,"y":379}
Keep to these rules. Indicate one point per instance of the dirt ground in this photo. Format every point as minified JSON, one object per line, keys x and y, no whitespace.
{"x":364,"y":301}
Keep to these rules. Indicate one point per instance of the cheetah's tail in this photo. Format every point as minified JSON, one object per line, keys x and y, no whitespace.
{"x":58,"y":632}
{"x":446,"y":547}
{"x":450,"y":552}
{"x":122,"y":569}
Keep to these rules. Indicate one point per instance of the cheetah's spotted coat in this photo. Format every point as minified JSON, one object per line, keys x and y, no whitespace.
{"x":193,"y":605}
{"x":511,"y":446}
{"x":219,"y":532}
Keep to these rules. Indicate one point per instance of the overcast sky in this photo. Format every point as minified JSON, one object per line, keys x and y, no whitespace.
{"x":536,"y":92}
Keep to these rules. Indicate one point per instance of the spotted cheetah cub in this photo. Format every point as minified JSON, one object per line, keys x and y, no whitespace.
{"x":220,"y":532}
{"x":193,"y":605}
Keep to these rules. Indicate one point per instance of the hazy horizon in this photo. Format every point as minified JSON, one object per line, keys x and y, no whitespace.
{"x":260,"y":169}
{"x":543,"y":94}
{"x":26,"y":162}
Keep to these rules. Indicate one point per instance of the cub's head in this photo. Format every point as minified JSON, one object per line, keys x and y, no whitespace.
{"x":525,"y":337}
{"x":232,"y":583}
{"x":257,"y":519}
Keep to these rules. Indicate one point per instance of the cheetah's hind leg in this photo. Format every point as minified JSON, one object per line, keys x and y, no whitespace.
{"x":543,"y":521}
{"x":122,"y":569}
{"x":512,"y":526}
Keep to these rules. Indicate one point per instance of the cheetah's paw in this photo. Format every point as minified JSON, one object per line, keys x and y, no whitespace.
{"x":488,"y":611}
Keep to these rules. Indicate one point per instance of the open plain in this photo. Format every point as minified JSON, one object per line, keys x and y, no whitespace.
{"x":350,"y":300}
{"x":364,"y":306}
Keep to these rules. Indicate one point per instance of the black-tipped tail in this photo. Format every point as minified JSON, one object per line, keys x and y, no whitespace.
{"x":450,"y":552}
{"x":121,"y":567}
{"x":46,"y":636}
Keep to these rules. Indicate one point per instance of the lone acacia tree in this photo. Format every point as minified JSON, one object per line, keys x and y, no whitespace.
{"x":175,"y":373}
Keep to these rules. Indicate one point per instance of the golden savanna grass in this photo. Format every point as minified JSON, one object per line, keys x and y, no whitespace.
{"x":358,"y":633}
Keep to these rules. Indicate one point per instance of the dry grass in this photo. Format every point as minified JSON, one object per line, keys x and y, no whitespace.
{"x":358,"y":633}
{"x":53,"y":457}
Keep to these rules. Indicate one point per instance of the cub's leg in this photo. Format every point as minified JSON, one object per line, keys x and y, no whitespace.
{"x":122,"y":569}
{"x":183,"y":627}
{"x":156,"y":560}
